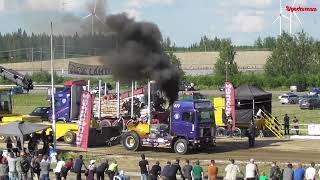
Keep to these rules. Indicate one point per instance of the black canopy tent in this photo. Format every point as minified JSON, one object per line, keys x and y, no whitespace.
{"x":21,"y":128}
{"x":249,"y":99}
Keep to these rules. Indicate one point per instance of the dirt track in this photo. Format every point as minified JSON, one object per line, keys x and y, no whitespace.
{"x":267,"y":150}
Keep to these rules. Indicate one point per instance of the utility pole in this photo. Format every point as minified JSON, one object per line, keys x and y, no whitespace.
{"x":227,"y":63}
{"x":64,"y":47}
{"x":52,"y":94}
{"x":32,"y":60}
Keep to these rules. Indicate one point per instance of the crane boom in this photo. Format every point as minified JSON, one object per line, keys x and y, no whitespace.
{"x":17,"y":78}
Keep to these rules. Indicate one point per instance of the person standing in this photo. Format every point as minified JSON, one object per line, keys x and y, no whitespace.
{"x":175,"y":167}
{"x":113,"y":169}
{"x":12,"y":166}
{"x":231,"y":170}
{"x":212,"y":171}
{"x":251,"y":133}
{"x":155,"y":171}
{"x":252,"y":171}
{"x":144,"y":167}
{"x":275,"y":172}
{"x":66,"y":168}
{"x":22,"y":167}
{"x":296,"y":124}
{"x":298,"y":174}
{"x":165,"y":171}
{"x":45,"y":168}
{"x":288,"y":172}
{"x":35,"y":166}
{"x":57,"y":170}
{"x":197,"y":172}
{"x":3,"y":167}
{"x":101,"y":169}
{"x":91,"y":170}
{"x":78,"y":167}
{"x":187,"y":170}
{"x":286,"y":121}
{"x":311,"y":172}
{"x":229,"y":125}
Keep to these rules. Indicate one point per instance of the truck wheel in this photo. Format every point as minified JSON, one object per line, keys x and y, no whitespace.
{"x":221,"y":131}
{"x":2,"y":139}
{"x":131,"y":141}
{"x":236,"y":132}
{"x":181,"y":146}
{"x":69,"y":137}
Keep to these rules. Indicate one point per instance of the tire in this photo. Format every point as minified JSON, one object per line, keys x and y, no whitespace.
{"x":221,"y":131}
{"x":181,"y":146}
{"x":105,"y":123}
{"x":237,"y":132}
{"x":131,"y":141}
{"x":3,"y":139}
{"x":69,"y":137}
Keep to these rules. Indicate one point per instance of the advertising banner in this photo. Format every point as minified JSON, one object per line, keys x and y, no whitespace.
{"x":84,"y":120}
{"x":230,"y":102}
{"x":91,"y":70}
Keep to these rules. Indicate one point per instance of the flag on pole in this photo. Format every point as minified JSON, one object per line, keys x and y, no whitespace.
{"x":84,"y":120}
{"x":230,"y":102}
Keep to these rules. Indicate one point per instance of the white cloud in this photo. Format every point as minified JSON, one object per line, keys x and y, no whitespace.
{"x":255,"y":3}
{"x":244,"y":22}
{"x":142,"y":3}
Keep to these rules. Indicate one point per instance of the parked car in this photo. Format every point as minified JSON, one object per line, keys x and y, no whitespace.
{"x":43,"y":112}
{"x":285,"y":94}
{"x":307,"y":97}
{"x":16,"y":90}
{"x":289,"y":99}
{"x":310,"y":103}
{"x":96,"y":89}
{"x":315,"y":91}
{"x":186,"y":86}
{"x":221,"y":87}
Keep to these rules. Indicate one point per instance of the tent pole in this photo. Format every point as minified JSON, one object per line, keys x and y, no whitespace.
{"x":253,"y":110}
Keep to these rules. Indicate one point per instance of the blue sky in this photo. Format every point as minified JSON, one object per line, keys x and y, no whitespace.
{"x":184,"y":21}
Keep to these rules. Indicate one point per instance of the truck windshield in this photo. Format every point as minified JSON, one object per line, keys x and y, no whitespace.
{"x":205,"y":116}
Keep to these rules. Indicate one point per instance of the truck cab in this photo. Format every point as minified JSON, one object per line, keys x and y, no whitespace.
{"x":191,"y":125}
{"x":67,"y":101}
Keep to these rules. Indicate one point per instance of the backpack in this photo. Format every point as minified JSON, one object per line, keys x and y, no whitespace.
{"x":25,"y":166}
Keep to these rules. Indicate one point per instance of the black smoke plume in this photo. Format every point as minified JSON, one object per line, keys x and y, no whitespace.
{"x":140,"y":56}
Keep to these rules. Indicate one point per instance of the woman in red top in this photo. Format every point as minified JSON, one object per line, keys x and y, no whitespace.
{"x":66,"y":168}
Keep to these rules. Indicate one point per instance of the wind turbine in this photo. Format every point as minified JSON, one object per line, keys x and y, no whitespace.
{"x":290,"y":21}
{"x":279,"y":18}
{"x":93,"y":15}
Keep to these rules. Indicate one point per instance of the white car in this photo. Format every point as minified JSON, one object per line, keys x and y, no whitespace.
{"x":289,"y":99}
{"x":285,"y":94}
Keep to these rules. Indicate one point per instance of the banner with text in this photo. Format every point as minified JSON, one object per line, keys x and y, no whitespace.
{"x":230,"y":102}
{"x":84,"y":69}
{"x":84,"y":120}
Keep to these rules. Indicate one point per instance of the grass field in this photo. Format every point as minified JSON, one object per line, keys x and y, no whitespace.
{"x":25,"y":103}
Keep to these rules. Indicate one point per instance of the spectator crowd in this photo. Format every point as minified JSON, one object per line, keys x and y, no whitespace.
{"x":26,"y":166}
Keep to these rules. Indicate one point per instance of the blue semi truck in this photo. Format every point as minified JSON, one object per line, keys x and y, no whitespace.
{"x":191,"y":125}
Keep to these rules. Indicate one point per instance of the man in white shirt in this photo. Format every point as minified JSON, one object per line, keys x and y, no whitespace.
{"x":231,"y":171}
{"x":57,"y":170}
{"x":252,"y":170}
{"x":311,"y":172}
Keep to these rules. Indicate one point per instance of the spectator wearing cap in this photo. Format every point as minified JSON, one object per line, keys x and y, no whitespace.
{"x":311,"y":172}
{"x":231,"y":170}
{"x":252,"y":171}
{"x":212,"y":171}
{"x":91,"y":170}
